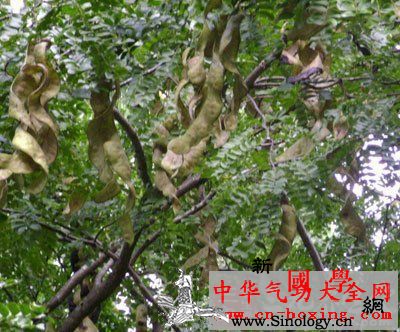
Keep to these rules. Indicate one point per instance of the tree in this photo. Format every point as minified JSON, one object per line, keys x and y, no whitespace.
{"x":262,"y":128}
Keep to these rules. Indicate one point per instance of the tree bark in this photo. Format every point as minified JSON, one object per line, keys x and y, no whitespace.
{"x":101,"y":293}
{"x":77,"y":277}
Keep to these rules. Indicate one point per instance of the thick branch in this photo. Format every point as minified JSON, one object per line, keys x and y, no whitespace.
{"x":146,"y":293}
{"x":304,"y":75}
{"x":190,"y":183}
{"x":316,"y":258}
{"x":99,"y":294}
{"x":137,"y":146}
{"x":77,"y":278}
{"x":263,"y":65}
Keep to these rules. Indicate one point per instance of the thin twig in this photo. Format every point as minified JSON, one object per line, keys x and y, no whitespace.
{"x":99,"y":277}
{"x":233,"y":259}
{"x":147,"y":72}
{"x":195,"y":208}
{"x":378,"y":255}
{"x":144,"y":246}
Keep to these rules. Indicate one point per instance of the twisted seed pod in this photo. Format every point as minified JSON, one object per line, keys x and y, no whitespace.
{"x":3,"y":193}
{"x":210,"y":109}
{"x":311,"y":65}
{"x":208,"y":252}
{"x":301,"y":148}
{"x":313,"y":17}
{"x":283,"y":243}
{"x":161,"y":179}
{"x":35,"y":138}
{"x":340,"y":127}
{"x":228,"y":49}
{"x":182,"y":165}
{"x":108,"y":155}
{"x":180,"y":155}
{"x":352,"y":222}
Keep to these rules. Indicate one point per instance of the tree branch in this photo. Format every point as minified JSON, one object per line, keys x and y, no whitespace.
{"x":316,"y":258}
{"x":378,"y":255}
{"x":137,"y":146}
{"x":144,"y":246}
{"x":146,"y":293}
{"x":263,"y":65}
{"x":147,"y":72}
{"x":99,"y":277}
{"x":190,"y":183}
{"x":233,"y":259}
{"x":77,"y":277}
{"x":101,"y":293}
{"x":196,"y":208}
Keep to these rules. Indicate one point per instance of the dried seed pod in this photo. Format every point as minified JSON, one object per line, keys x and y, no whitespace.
{"x":161,"y":179}
{"x":196,"y":72}
{"x":221,"y":135}
{"x":141,"y":318}
{"x":313,"y":17}
{"x":311,"y":69}
{"x":75,"y":203}
{"x":283,"y":243}
{"x":290,"y":56}
{"x":352,"y":222}
{"x":228,"y":49}
{"x":35,"y":139}
{"x":164,"y":184}
{"x":221,"y":41}
{"x":340,"y":127}
{"x":302,"y":147}
{"x":3,"y":193}
{"x":108,"y":155}
{"x":182,"y":165}
{"x":210,"y":109}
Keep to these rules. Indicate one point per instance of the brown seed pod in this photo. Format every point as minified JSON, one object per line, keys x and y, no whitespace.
{"x":108,"y":155}
{"x":35,"y":139}
{"x":283,"y":243}
{"x":210,"y":109}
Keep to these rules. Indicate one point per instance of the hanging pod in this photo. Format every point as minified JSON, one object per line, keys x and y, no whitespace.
{"x":108,"y":155}
{"x":284,"y":239}
{"x":35,"y":139}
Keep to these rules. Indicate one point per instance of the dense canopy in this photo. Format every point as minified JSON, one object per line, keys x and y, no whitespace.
{"x":142,"y":137}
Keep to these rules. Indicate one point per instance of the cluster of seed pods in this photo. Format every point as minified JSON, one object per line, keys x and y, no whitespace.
{"x":35,"y":139}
